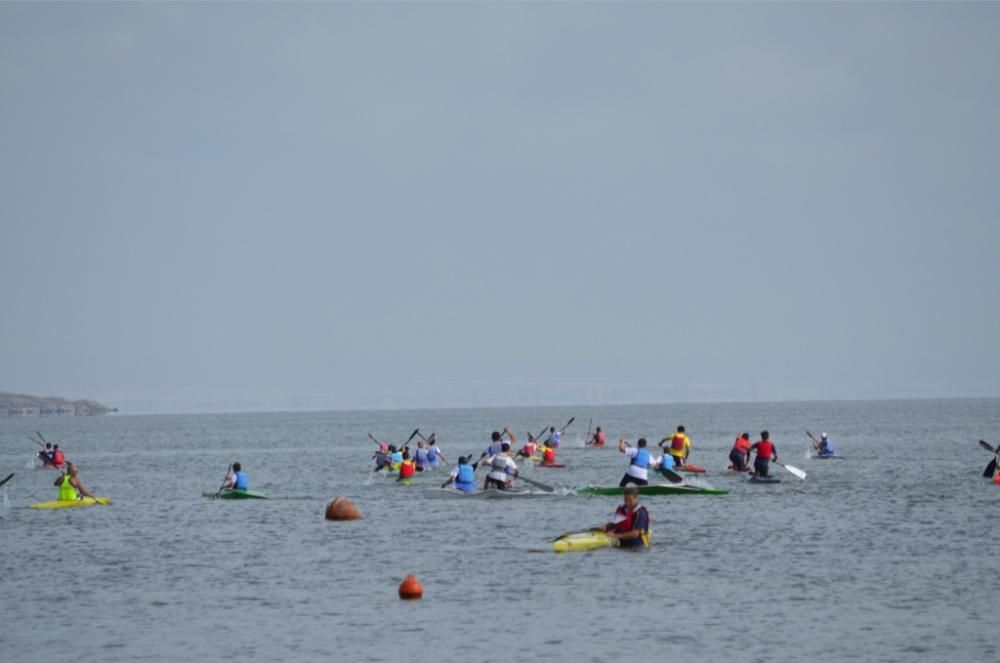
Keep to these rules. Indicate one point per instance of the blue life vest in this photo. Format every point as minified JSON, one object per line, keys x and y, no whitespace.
{"x":432,"y":456}
{"x":466,"y":479}
{"x":421,"y":457}
{"x":667,"y":463}
{"x":396,"y":457}
{"x":242,"y":481}
{"x":825,"y":447}
{"x":641,"y":459}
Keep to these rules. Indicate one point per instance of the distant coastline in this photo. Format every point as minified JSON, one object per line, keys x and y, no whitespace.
{"x":23,"y":405}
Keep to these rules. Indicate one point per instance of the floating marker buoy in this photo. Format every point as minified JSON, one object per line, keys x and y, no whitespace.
{"x":410,"y":588}
{"x":342,"y":509}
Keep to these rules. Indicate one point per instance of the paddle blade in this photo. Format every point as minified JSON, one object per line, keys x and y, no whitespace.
{"x":986,"y":445}
{"x":990,"y":469}
{"x":571,"y":420}
{"x":671,"y":476}
{"x":796,"y":471}
{"x":537,"y":484}
{"x":413,"y":434}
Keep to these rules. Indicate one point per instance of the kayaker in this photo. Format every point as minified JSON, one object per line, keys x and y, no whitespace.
{"x":496,"y":443}
{"x":237,"y":479}
{"x":57,"y":456}
{"x":529,"y":448}
{"x":766,"y":452}
{"x":70,"y":486}
{"x":381,"y":459}
{"x":406,"y":467}
{"x":554,"y":437}
{"x":502,"y":469}
{"x":463,"y":475}
{"x":548,"y":454}
{"x":631,"y":524}
{"x":395,"y":458}
{"x":679,"y":447}
{"x":739,"y":455}
{"x":421,"y":459}
{"x":45,"y":455}
{"x":639,"y":462}
{"x":434,"y":455}
{"x":598,"y":439}
{"x":824,"y":447}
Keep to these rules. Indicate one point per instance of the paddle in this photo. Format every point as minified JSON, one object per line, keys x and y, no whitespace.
{"x":41,"y":437}
{"x":9,"y":477}
{"x":590,"y":424}
{"x":992,"y":465}
{"x":794,"y":470}
{"x":571,"y":420}
{"x":815,"y":441}
{"x":670,"y":475}
{"x":223,"y":486}
{"x":412,"y":435}
{"x":537,"y":484}
{"x":374,"y":440}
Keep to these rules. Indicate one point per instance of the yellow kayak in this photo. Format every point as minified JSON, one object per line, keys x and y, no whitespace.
{"x":66,"y":504}
{"x":580,"y":541}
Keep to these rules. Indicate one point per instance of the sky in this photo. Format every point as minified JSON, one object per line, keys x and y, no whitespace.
{"x":255,"y":206}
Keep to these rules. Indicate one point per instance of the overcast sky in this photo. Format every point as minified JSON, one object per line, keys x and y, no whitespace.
{"x":348,"y":204}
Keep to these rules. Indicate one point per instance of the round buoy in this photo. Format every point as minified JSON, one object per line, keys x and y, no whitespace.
{"x":410,"y":588}
{"x":342,"y":509}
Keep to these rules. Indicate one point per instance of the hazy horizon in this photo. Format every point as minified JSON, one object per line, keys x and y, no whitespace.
{"x":257,"y":206}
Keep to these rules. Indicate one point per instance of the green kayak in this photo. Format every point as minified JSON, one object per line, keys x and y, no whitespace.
{"x":231,"y":494}
{"x":657,"y":489}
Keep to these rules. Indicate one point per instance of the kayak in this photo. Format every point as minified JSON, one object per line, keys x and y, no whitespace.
{"x":693,"y":469}
{"x":655,"y":489}
{"x":67,"y":504}
{"x":451,"y":491}
{"x":553,"y":465}
{"x":231,"y":494}
{"x":581,"y":541}
{"x":768,"y":479}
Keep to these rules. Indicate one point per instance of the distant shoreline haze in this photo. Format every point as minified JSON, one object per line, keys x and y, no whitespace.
{"x":445,"y":394}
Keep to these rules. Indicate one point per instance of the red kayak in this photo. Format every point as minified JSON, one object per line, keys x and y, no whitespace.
{"x":694,"y":469}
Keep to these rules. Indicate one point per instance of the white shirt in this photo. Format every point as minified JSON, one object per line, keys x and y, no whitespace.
{"x":509,"y":468}
{"x":634,"y":470}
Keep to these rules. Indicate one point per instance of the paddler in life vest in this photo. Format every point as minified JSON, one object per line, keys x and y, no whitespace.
{"x":70,"y":486}
{"x":824,"y":447}
{"x":502,"y":470}
{"x":548,"y":453}
{"x":237,"y":479}
{"x":739,"y":455}
{"x":766,"y":452}
{"x":420,"y":458}
{"x":555,"y":436}
{"x":463,"y":475}
{"x":434,"y":455}
{"x":639,"y":462}
{"x":597,"y":439}
{"x":395,"y":458}
{"x":631,"y":523}
{"x":529,"y":448}
{"x":406,"y":467}
{"x":45,"y":455}
{"x":57,"y":456}
{"x":496,"y":443}
{"x":679,"y":446}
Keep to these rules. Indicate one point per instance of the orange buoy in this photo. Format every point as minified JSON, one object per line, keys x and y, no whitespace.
{"x":342,"y":509}
{"x":410,"y":588}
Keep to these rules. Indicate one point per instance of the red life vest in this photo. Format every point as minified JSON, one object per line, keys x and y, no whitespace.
{"x":58,"y":457}
{"x":628,"y":521}
{"x":765,"y":449}
{"x":677,"y":444}
{"x":406,"y":469}
{"x":549,"y":456}
{"x":742,"y":445}
{"x":530,"y":448}
{"x":601,"y":437}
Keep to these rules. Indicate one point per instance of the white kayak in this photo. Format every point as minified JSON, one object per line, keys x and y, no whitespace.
{"x":478,"y":493}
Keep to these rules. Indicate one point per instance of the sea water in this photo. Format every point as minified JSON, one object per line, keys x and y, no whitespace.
{"x":885,"y":555}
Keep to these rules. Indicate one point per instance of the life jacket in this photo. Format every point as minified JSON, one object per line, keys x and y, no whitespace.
{"x":627,"y":523}
{"x":395,"y":458}
{"x":406,"y":469}
{"x":677,"y":444}
{"x":765,"y":449}
{"x":600,"y":439}
{"x":741,"y":445}
{"x":549,"y":457}
{"x":67,"y":493}
{"x":432,"y":455}
{"x":494,"y":449}
{"x":58,"y":457}
{"x":242,"y":481}
{"x":530,"y":448}
{"x":422,"y":457}
{"x":641,"y":459}
{"x":498,"y":468}
{"x":825,"y":447}
{"x":466,"y":475}
{"x":666,"y":462}
{"x":556,"y":436}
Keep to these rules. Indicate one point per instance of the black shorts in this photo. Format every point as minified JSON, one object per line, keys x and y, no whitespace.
{"x":495,"y":483}
{"x":628,"y":478}
{"x":760,"y":465}
{"x":738,"y":460}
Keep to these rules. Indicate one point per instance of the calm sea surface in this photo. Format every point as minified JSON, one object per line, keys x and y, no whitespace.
{"x":887,"y":555}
